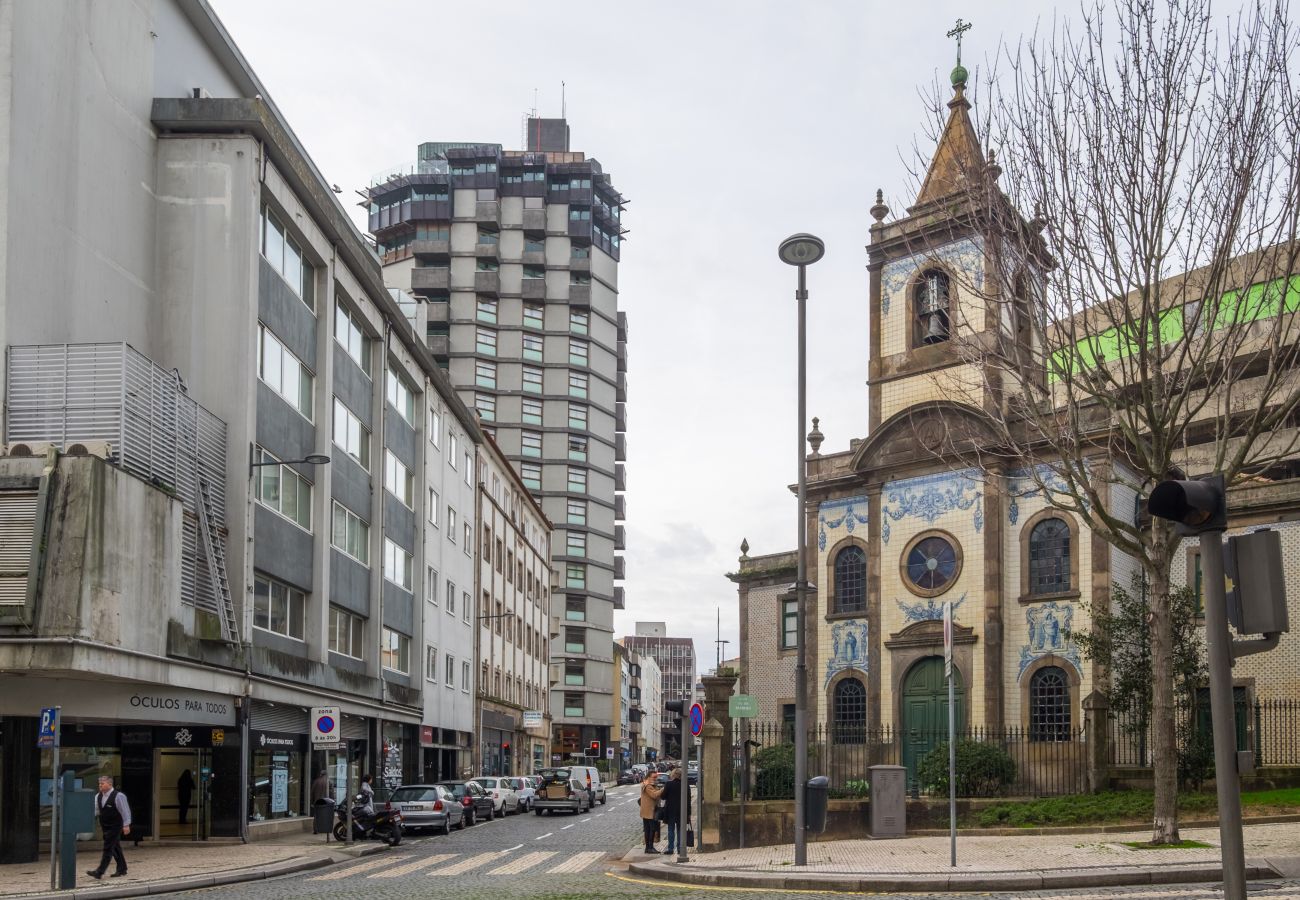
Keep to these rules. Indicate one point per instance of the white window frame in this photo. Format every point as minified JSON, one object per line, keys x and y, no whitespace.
{"x":275,"y":362}
{"x":403,"y":649}
{"x":355,"y":632}
{"x":464,"y":677}
{"x":351,"y":337}
{"x":304,"y":288}
{"x":396,"y":556}
{"x":353,"y":430}
{"x":283,"y":475}
{"x":434,"y":500}
{"x":449,"y":677}
{"x":451,"y":524}
{"x":431,"y":663}
{"x":290,"y":593}
{"x":362,"y":527}
{"x":435,"y":427}
{"x":400,"y":397}
{"x":398,"y":479}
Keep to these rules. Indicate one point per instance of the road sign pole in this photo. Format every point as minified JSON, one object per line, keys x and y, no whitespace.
{"x":952,"y":734}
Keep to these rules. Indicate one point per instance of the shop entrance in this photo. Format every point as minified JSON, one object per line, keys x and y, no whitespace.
{"x":184,"y":809}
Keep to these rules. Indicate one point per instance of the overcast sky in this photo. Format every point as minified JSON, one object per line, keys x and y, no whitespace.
{"x":728,"y":126}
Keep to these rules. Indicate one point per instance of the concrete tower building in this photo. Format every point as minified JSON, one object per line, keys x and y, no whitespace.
{"x":512,"y":260}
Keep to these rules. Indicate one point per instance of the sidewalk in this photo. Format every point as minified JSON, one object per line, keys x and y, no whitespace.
{"x":1010,"y":863}
{"x":182,"y":865}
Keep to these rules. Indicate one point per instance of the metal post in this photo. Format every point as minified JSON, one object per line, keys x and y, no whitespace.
{"x":1219,"y":644}
{"x":685,"y":791}
{"x":952,"y":775}
{"x":801,"y":664}
{"x":744,"y":776}
{"x":54,"y":808}
{"x":347,"y":781}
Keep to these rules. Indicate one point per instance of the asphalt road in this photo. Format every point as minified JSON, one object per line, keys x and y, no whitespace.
{"x":568,"y":857}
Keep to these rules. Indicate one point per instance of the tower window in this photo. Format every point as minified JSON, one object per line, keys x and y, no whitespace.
{"x":930,"y":302}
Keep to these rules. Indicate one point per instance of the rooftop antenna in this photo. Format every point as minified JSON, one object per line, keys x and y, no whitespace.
{"x":564,"y":107}
{"x":719,"y":642}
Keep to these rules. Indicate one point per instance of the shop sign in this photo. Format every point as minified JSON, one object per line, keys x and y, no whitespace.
{"x":426,"y":736}
{"x":106,"y":701}
{"x":277,"y":740}
{"x":218,"y":737}
{"x":532,"y":719}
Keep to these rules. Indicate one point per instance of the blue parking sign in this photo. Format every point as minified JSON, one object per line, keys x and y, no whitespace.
{"x":48,"y":737}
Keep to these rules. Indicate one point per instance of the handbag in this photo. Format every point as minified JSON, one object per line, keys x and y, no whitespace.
{"x":690,"y":836}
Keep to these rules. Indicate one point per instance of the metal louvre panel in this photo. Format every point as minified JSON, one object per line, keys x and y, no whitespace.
{"x":354,"y":728}
{"x":17,"y":525}
{"x":290,"y":719}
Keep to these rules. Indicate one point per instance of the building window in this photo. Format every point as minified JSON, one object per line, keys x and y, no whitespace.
{"x":284,"y":373}
{"x":469,"y":468}
{"x":450,"y":672}
{"x":573,"y":706}
{"x":465,"y":606}
{"x":486,"y":341}
{"x":576,"y":543}
{"x":487,"y":310}
{"x":534,"y":271}
{"x":464,"y":677}
{"x":931,"y":563}
{"x":577,"y":416}
{"x":350,"y":534}
{"x":532,"y":379}
{"x":531,"y":443}
{"x":577,"y":448}
{"x":531,"y":411}
{"x":431,"y":663}
{"x":451,"y":524}
{"x":850,"y":711}
{"x":1049,"y":557}
{"x":531,"y":475}
{"x":789,"y":624}
{"x":435,"y":427}
{"x":486,"y":404}
{"x":485,"y":374}
{"x":434,"y":500}
{"x":468,"y":543}
{"x":930,"y":299}
{"x":282,"y":489}
{"x":400,"y":398}
{"x":575,"y":640}
{"x":533,"y":347}
{"x":579,"y":321}
{"x":398,"y":480}
{"x":286,"y":258}
{"x":453,"y":448}
{"x":577,"y":512}
{"x":579,"y":251}
{"x":397,"y":565}
{"x":278,"y":608}
{"x":575,"y":576}
{"x":347,"y":331}
{"x":534,"y":316}
{"x":350,"y":435}
{"x":577,"y":480}
{"x":851,"y":580}
{"x":575,"y":609}
{"x":451,"y":598}
{"x":577,"y":352}
{"x":395,"y":654}
{"x":1049,"y":705}
{"x":346,"y":631}
{"x":431,"y":585}
{"x":575,"y":673}
{"x":578,"y":384}
{"x":487,"y":265}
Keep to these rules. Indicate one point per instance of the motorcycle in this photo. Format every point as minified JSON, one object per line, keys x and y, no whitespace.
{"x":383,"y":824}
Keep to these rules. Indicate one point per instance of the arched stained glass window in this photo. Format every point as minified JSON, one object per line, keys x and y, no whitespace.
{"x":1049,"y":557}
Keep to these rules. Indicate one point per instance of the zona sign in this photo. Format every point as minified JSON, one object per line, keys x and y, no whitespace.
{"x":697,"y":719}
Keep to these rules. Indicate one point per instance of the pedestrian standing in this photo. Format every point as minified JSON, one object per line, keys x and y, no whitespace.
{"x":650,"y":794}
{"x":115,"y":821}
{"x":320,"y":787}
{"x":672,"y":809}
{"x":184,"y":795}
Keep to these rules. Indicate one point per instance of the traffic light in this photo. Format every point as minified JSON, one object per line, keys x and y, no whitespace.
{"x":1196,"y":506}
{"x":593,"y":751}
{"x":676,"y":706}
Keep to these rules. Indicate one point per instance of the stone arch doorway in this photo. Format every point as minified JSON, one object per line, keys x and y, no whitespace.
{"x":924,"y":710}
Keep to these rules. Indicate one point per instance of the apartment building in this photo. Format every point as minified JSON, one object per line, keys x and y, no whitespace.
{"x":217,"y":382}
{"x":513,"y":587}
{"x":675,"y":658}
{"x":511,"y":259}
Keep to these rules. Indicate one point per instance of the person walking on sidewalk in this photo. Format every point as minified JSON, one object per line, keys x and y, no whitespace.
{"x":672,"y":809}
{"x":650,"y":794}
{"x":115,"y":821}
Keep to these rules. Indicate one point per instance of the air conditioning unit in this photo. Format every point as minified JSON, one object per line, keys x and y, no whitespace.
{"x":29,"y":448}
{"x":102,"y":449}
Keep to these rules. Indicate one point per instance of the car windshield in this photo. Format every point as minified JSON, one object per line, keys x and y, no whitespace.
{"x":487,"y":782}
{"x":556,"y":774}
{"x":413,"y":794}
{"x":456,"y":789}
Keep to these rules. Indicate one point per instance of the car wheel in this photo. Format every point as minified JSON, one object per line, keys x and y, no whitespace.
{"x":471,"y":819}
{"x":460,"y":826}
{"x":446,"y":826}
{"x":538,"y":812}
{"x":603,"y":799}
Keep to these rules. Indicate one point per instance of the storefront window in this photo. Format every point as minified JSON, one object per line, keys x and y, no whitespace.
{"x":399,"y":756}
{"x":277,"y":789}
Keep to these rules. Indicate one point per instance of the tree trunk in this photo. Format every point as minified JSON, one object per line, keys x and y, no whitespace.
{"x":1164,"y":744}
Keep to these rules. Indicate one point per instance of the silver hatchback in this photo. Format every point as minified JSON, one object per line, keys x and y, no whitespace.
{"x":428,"y":806}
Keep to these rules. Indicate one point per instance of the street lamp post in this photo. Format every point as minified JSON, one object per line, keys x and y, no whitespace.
{"x":801,"y":250}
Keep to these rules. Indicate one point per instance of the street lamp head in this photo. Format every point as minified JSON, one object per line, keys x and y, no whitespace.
{"x":317,"y":459}
{"x":801,"y":249}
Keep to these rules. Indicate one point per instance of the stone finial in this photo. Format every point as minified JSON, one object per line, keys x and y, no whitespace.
{"x":1039,"y":221}
{"x":993,"y":170}
{"x":744,"y":548}
{"x":815,"y":437}
{"x":880,"y":210}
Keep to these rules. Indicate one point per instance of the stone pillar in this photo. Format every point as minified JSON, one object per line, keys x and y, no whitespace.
{"x":1096,"y":730}
{"x":713,"y":775}
{"x":717,"y":695}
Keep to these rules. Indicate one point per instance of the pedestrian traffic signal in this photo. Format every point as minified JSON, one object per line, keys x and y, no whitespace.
{"x":1196,"y":506}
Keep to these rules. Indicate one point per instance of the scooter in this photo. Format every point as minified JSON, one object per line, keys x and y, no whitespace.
{"x":383,"y":824}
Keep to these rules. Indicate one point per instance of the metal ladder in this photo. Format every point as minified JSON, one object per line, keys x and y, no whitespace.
{"x":215,"y":555}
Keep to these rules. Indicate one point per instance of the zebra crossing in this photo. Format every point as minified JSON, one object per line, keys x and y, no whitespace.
{"x":493,"y":862}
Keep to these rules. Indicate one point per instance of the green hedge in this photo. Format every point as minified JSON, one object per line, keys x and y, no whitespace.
{"x":983,"y":770}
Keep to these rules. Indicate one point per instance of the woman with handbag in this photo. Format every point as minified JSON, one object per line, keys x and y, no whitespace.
{"x":650,"y":794}
{"x":671,"y":813}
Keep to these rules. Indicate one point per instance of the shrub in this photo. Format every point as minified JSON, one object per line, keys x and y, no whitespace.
{"x":852,"y":790}
{"x":774,"y":771}
{"x":983,"y":770}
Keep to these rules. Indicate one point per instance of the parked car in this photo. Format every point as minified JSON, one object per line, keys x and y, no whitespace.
{"x":505,"y":799}
{"x":693,"y":772}
{"x":592,"y":776}
{"x":627,"y":776}
{"x":428,"y":806}
{"x":563,"y":790}
{"x":475,"y":802}
{"x":527,"y":790}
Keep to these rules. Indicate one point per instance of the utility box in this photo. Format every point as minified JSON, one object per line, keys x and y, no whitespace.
{"x":888,"y":801}
{"x":1256,"y":588}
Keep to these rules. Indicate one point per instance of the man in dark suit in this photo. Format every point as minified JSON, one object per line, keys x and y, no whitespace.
{"x":115,"y":821}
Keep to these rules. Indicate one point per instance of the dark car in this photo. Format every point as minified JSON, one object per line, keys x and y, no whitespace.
{"x":627,"y":776}
{"x":477,"y":803}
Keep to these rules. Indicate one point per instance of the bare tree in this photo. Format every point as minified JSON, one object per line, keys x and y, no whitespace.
{"x":1144,"y":320}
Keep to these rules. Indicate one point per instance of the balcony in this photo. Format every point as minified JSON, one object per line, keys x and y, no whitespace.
{"x":620,"y":447}
{"x":438,"y":312}
{"x":622,"y":327}
{"x":620,"y":417}
{"x":620,"y":539}
{"x":620,"y":507}
{"x":487,"y":283}
{"x":620,"y":568}
{"x":620,"y":390}
{"x":487,"y":212}
{"x":622,"y":356}
{"x":533,"y":288}
{"x":487,"y":251}
{"x":431,"y":278}
{"x":620,"y":477}
{"x":580,"y":294}
{"x":534,"y":258}
{"x":431,"y":249}
{"x":580,"y":265}
{"x":579,"y":229}
{"x":620,"y":600}
{"x":535,"y":220}
{"x":439,"y":344}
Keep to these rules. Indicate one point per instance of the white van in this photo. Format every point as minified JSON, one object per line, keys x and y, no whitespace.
{"x":591,"y":775}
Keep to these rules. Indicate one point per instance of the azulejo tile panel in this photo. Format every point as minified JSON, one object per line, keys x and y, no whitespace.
{"x":964,"y":258}
{"x":930,"y":496}
{"x":930,"y":610}
{"x":1020,"y":485}
{"x":849,"y":513}
{"x":1049,"y":635}
{"x":848,"y":648}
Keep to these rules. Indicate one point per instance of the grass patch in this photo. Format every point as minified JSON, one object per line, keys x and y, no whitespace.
{"x":1120,"y":808}
{"x":1180,"y":845}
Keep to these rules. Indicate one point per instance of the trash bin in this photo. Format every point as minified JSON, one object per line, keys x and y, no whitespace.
{"x":816,"y":794}
{"x":888,"y":801}
{"x":323,"y":816}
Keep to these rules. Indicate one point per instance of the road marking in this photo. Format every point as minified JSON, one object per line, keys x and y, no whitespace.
{"x":472,"y":863}
{"x":567,"y":827}
{"x":586,"y":820}
{"x":524,"y":863}
{"x":422,"y":863}
{"x":732,"y":890}
{"x":548,"y":834}
{"x":577,"y":862}
{"x":515,"y":847}
{"x":352,"y":870}
{"x":598,"y":815}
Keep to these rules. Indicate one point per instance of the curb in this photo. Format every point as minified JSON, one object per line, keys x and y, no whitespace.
{"x":196,"y":882}
{"x":900,"y":882}
{"x":1046,"y":830}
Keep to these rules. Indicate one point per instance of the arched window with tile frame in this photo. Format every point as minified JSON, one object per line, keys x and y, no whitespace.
{"x":1049,"y":705}
{"x":850,"y":580}
{"x":849,"y":711}
{"x":1049,"y":556}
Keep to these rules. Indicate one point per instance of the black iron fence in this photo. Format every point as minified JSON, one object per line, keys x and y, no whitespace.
{"x":992,"y":762}
{"x":1269,"y":728}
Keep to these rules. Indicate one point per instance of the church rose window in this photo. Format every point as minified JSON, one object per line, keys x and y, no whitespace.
{"x":930,"y":564}
{"x":1049,"y":557}
{"x":850,"y":710}
{"x":1049,"y":705}
{"x":851,"y":581}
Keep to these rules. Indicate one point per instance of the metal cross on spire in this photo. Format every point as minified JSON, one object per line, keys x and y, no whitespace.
{"x":958,"y":30}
